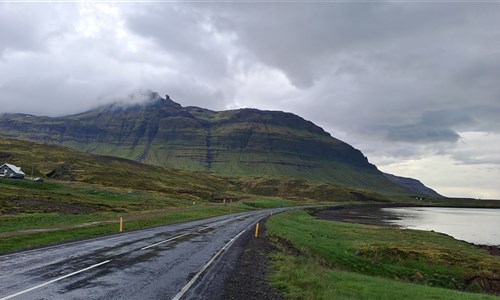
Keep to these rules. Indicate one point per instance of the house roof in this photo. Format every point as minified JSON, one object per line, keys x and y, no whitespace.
{"x":14,"y":168}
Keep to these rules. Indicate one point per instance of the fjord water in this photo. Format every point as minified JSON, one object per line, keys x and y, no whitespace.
{"x":473,"y":225}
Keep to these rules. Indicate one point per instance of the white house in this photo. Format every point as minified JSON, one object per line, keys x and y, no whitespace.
{"x":11,"y":171}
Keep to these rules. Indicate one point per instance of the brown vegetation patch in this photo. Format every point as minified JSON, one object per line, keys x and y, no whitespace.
{"x":65,"y":171}
{"x":285,"y":246}
{"x":111,"y":159}
{"x":228,"y":198}
{"x":362,"y":197}
{"x":484,"y":283}
{"x":18,"y":205}
{"x":493,"y":250}
{"x":4,"y":156}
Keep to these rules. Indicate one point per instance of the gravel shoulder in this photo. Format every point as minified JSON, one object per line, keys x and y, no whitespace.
{"x":249,"y":279}
{"x":241,"y":272}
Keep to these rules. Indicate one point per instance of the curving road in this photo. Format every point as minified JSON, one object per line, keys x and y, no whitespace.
{"x":167,"y":262}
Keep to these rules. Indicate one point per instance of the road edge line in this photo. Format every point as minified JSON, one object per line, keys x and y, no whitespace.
{"x":193,"y":280}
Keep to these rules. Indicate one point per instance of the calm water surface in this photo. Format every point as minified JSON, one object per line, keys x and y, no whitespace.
{"x":474,"y":225}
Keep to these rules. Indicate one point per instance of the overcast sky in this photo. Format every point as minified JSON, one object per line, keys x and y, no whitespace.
{"x":414,"y":85}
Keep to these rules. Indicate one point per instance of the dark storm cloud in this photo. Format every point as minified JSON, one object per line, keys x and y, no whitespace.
{"x":434,"y":126}
{"x":183,"y":33}
{"x":452,"y":117}
{"x":305,"y":40}
{"x":422,"y":134}
{"x":406,"y":62}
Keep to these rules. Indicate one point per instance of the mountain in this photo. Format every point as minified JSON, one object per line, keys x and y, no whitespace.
{"x":82,"y":182}
{"x":161,"y":132}
{"x":412,"y":185}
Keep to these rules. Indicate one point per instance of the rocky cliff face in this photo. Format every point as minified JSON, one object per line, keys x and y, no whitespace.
{"x":243,"y":141}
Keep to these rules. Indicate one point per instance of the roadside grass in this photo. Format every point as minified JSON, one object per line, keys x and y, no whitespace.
{"x":132,"y":222}
{"x":128,"y":206}
{"x":33,"y":221}
{"x":304,"y":278}
{"x":428,"y":258}
{"x":270,"y":202}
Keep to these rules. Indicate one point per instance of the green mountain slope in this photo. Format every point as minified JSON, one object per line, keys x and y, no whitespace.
{"x":61,"y":164}
{"x":236,"y":142}
{"x":79,"y":182}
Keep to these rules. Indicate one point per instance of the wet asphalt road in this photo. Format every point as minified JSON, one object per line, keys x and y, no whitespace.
{"x":155,"y":263}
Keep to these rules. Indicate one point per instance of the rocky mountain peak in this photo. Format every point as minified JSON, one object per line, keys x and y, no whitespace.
{"x":169,"y":102}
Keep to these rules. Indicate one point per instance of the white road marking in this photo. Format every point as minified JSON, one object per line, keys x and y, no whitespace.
{"x":205,"y":228}
{"x":193,"y":280}
{"x":54,"y":280}
{"x":159,"y":243}
{"x":178,"y":296}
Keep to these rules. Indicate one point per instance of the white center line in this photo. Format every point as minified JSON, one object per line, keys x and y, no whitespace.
{"x":54,"y":280}
{"x":205,"y":228}
{"x":193,"y":280}
{"x":159,"y":243}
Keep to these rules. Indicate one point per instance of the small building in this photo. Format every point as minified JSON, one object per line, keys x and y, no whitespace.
{"x":11,"y":171}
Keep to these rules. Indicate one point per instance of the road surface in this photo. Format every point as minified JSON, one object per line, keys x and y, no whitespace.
{"x":167,"y":262}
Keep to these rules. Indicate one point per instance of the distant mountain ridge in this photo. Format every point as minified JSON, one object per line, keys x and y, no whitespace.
{"x":412,"y":185}
{"x":241,"y":142}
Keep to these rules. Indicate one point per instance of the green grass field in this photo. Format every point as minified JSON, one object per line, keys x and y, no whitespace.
{"x":305,"y":278}
{"x":53,"y":232}
{"x":335,"y":258}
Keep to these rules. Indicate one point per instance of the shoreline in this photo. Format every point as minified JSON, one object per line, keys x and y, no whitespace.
{"x":370,"y":214}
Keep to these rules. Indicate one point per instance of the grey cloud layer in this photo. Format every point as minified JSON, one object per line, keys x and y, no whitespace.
{"x":415,"y":72}
{"x":390,"y":74}
{"x":416,"y":69}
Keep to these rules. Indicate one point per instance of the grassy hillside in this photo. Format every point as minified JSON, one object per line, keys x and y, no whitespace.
{"x":116,"y":174}
{"x":64,"y":168}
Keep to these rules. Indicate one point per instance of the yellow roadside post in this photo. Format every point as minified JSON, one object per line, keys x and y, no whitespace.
{"x":121,"y":224}
{"x":257,"y":230}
